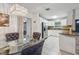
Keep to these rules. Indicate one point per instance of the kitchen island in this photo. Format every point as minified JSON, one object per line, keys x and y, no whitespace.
{"x":69,"y":42}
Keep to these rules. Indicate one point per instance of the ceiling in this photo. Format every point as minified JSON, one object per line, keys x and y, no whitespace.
{"x":58,"y":9}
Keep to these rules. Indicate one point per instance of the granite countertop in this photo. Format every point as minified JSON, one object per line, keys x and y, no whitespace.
{"x":58,"y":29}
{"x":67,"y":34}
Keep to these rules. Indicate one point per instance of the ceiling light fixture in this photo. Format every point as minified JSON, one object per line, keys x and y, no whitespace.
{"x":54,"y":17}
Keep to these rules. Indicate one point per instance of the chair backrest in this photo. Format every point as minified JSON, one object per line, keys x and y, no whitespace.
{"x":12,"y":36}
{"x":33,"y":50}
{"x":36,"y":35}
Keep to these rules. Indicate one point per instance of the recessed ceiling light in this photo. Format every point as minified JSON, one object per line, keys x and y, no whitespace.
{"x":54,"y":17}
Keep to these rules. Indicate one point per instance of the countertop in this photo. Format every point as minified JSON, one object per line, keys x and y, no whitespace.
{"x":73,"y":34}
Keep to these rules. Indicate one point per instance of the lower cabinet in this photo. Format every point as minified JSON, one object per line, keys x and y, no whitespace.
{"x":67,"y":43}
{"x":77,"y":45}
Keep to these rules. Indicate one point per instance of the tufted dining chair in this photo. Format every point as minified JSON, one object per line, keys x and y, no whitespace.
{"x":36,"y":35}
{"x":12,"y":36}
{"x":12,"y":39}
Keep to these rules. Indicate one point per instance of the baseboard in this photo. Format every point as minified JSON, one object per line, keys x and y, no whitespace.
{"x":67,"y":52}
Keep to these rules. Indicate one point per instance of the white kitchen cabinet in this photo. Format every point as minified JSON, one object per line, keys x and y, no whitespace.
{"x":67,"y":43}
{"x":77,"y":44}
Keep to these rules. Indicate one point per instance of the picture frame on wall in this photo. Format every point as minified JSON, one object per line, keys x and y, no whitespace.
{"x":4,"y":20}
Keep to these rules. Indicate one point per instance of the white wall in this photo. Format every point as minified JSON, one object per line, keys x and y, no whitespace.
{"x":12,"y":25}
{"x":4,"y":8}
{"x":71,"y":18}
{"x":37,"y":22}
{"x":77,"y":14}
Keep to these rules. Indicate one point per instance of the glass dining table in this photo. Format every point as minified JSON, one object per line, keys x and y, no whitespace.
{"x":25,"y":45}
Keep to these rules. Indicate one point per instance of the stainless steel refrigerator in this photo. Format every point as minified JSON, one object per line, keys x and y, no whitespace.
{"x":44,"y":30}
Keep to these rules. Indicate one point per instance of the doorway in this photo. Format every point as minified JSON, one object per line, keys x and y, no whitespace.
{"x":27,"y":29}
